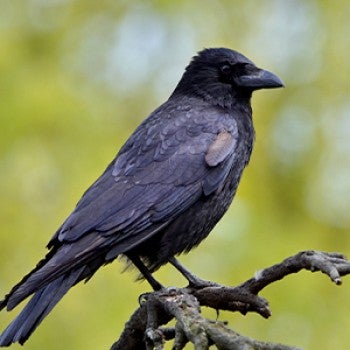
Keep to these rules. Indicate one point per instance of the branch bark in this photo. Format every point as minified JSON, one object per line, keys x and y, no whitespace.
{"x":144,"y":331}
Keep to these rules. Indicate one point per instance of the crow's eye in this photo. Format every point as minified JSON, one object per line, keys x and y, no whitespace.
{"x":225,"y":69}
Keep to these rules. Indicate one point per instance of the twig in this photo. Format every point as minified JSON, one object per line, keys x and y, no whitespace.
{"x":183,"y":304}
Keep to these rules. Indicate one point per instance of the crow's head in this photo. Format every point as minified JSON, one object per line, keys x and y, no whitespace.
{"x":219,"y":74}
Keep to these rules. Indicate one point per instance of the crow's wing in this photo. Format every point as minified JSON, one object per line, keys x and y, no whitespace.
{"x":165,"y":167}
{"x":170,"y":161}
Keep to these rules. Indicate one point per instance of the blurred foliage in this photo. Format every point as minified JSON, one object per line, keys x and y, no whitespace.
{"x":76,"y":77}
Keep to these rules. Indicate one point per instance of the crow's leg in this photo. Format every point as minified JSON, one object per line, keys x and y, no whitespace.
{"x":145,"y":272}
{"x":194,"y":281}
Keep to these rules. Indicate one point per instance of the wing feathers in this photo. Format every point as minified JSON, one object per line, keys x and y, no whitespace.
{"x":170,"y":165}
{"x":220,"y":149}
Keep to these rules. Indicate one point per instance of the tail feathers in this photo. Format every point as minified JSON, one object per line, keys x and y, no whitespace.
{"x":5,"y":302}
{"x":59,"y":262}
{"x":38,"y":307}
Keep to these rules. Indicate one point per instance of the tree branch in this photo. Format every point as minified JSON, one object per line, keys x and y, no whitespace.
{"x":143,"y":330}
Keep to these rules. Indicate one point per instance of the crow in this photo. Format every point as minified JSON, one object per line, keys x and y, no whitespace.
{"x":166,"y":189}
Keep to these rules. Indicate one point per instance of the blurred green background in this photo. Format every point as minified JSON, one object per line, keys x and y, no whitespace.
{"x":76,"y":78}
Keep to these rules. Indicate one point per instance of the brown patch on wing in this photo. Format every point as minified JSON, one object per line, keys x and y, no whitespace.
{"x":223,"y":146}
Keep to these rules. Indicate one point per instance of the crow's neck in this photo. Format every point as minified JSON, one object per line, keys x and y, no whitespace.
{"x":222,"y":95}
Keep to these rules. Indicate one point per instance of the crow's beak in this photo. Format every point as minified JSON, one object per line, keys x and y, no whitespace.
{"x":259,"y":79}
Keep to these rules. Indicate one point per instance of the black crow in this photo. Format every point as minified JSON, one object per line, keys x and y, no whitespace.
{"x":169,"y":185}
